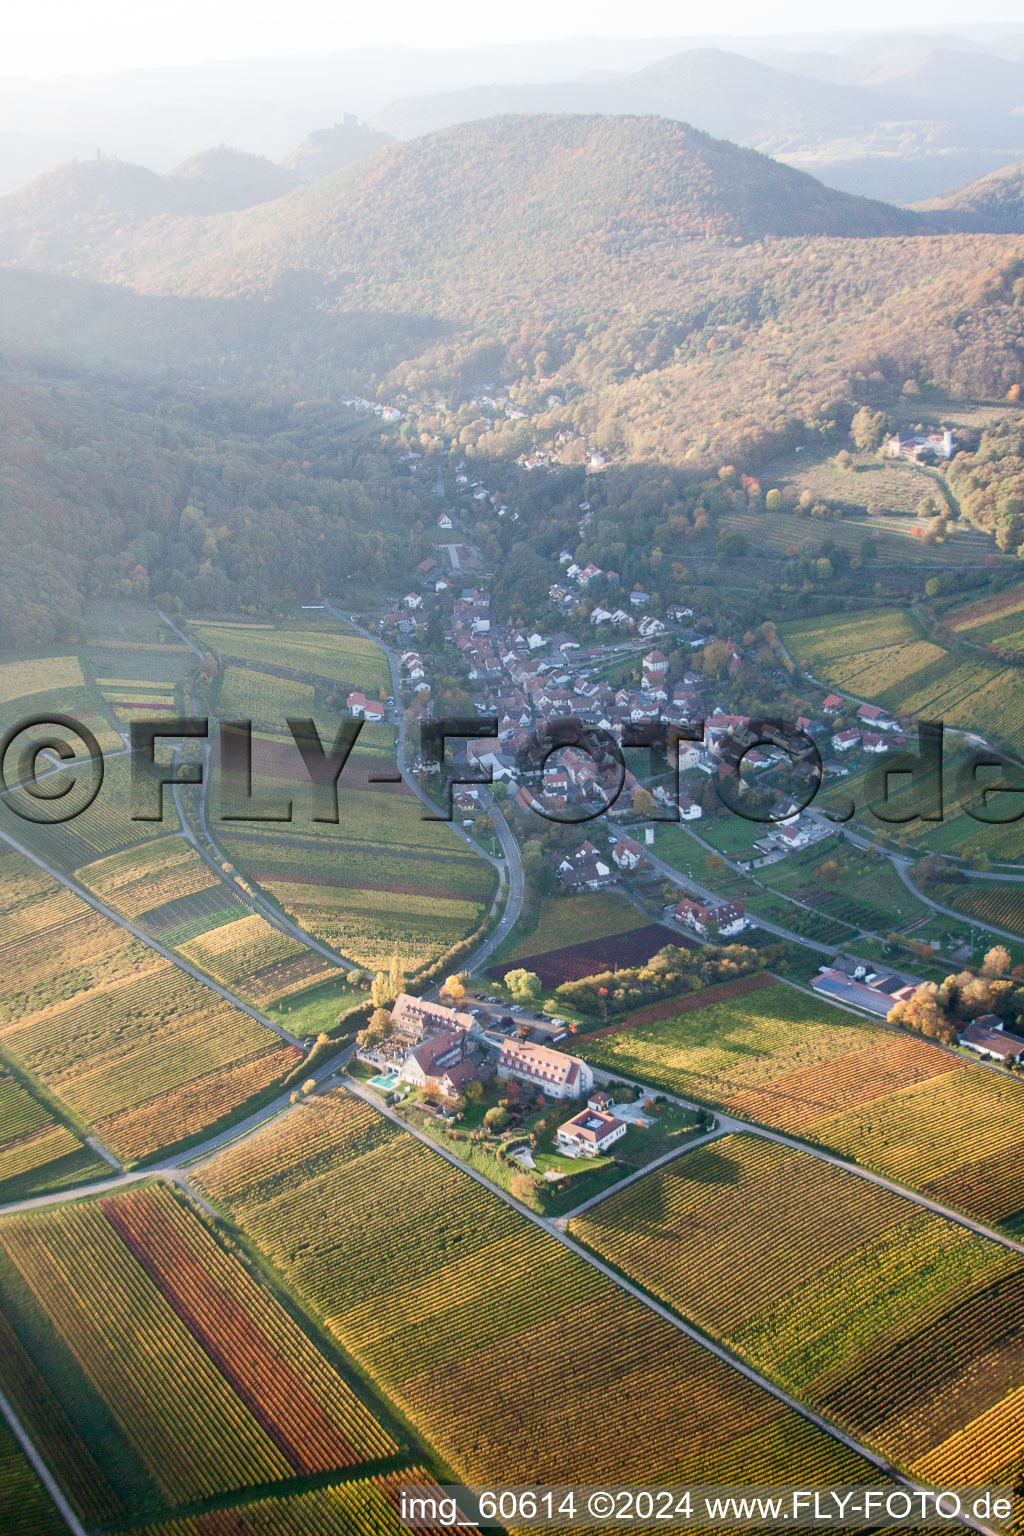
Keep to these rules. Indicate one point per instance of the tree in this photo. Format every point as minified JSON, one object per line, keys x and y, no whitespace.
{"x":454,"y":987}
{"x":496,"y":1118}
{"x":773,"y":501}
{"x":473,"y":1092}
{"x":643,"y":801}
{"x":521,"y":1187}
{"x":867,"y":429}
{"x":997,"y":961}
{"x":523,"y":985}
{"x":309,"y":1085}
{"x":829,"y":871}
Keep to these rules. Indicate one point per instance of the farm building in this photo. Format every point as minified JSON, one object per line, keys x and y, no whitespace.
{"x":727,"y":918}
{"x":988,"y":1038}
{"x":434,"y":1057}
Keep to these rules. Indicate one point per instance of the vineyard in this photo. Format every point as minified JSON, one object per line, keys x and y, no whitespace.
{"x":211,"y":1384}
{"x":337,"y":658}
{"x":51,"y":673}
{"x":904,"y":1327}
{"x":990,"y":902}
{"x":892,"y":1102}
{"x":250,"y":695}
{"x":37,"y":1153}
{"x":363,"y":1507}
{"x":141,"y":879}
{"x":384,"y":881}
{"x":25,"y":1505}
{"x":144,"y":1053}
{"x":882,"y":658}
{"x":996,"y":621}
{"x":397,"y":1252}
{"x":256,"y":960}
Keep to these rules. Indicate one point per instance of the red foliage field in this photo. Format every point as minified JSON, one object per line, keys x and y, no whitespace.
{"x":592,"y":956}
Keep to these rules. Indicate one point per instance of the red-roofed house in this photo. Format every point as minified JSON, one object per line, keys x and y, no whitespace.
{"x":553,"y":1072}
{"x":589,"y":1133}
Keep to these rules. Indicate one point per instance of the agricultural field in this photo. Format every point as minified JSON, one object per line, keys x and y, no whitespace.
{"x":207,"y":1385}
{"x":361,"y":1507}
{"x":38,"y":1152}
{"x":880,"y":656}
{"x":256,"y":960}
{"x":591,"y":956}
{"x":144,"y":1054}
{"x":26,"y":1506}
{"x":902,"y":1326}
{"x":383,"y":881}
{"x":142,"y":879}
{"x":563,"y":920}
{"x":259,"y":696}
{"x":894,"y":1103}
{"x":406,"y":1284}
{"x":104,"y":827}
{"x":988,"y":901}
{"x":334,"y":656}
{"x":996,"y":621}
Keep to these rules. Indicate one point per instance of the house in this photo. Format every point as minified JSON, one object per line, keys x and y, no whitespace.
{"x":872,"y":715}
{"x":588,"y":574}
{"x":412,"y":600}
{"x":689,"y":810}
{"x":790,"y":836}
{"x":627,"y":853}
{"x":988,"y":1038}
{"x":728,"y":917}
{"x":601,"y":1100}
{"x":832,"y":704}
{"x":454,"y":1079}
{"x":872,"y":743}
{"x":444,"y":521}
{"x":656,"y":663}
{"x":552,"y":1072}
{"x":639,"y":599}
{"x":414,"y":1018}
{"x":844,"y":740}
{"x":433,"y":1056}
{"x":362,"y":707}
{"x":589,"y":1133}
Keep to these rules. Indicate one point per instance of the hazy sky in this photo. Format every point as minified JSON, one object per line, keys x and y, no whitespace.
{"x":44,"y":38}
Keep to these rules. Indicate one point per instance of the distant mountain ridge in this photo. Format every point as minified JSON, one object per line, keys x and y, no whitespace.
{"x":992,"y":205}
{"x":520,"y":188}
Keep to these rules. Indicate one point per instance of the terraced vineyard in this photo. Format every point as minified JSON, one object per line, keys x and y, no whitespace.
{"x":133,"y":1046}
{"x":256,"y":960}
{"x":406,"y":1281}
{"x":897,"y":1104}
{"x":900,"y":1325}
{"x":211,"y":1385}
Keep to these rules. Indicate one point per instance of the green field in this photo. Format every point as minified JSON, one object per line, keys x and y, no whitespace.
{"x":332,"y":655}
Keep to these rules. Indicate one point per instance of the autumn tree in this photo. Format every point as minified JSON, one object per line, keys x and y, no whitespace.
{"x":997,"y":961}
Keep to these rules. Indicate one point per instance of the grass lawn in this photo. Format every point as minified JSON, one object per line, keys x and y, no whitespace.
{"x":316,"y":1010}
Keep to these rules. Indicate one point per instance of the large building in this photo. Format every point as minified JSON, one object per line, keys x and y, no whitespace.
{"x":415,"y":1018}
{"x":434,"y":1057}
{"x":553,"y":1072}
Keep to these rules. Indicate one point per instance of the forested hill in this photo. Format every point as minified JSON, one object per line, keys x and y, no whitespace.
{"x":993,"y":204}
{"x":96,"y":204}
{"x":508,"y":195}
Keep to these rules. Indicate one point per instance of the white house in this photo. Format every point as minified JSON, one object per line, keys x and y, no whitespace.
{"x":844,"y":740}
{"x":444,"y":521}
{"x":589,"y":1133}
{"x":627,"y":853}
{"x":361,"y":706}
{"x":552,"y":1072}
{"x":412,"y":600}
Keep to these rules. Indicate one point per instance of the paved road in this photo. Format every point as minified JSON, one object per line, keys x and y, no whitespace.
{"x":68,"y":1515}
